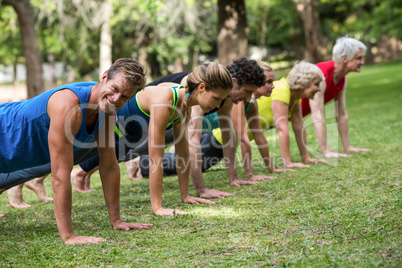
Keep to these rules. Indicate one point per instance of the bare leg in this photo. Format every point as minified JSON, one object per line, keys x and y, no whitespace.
{"x":133,"y":169}
{"x":15,"y":197}
{"x":37,"y":186}
{"x":78,"y":175}
{"x":1,"y":191}
{"x":87,"y":182}
{"x":138,"y":175}
{"x":82,"y":179}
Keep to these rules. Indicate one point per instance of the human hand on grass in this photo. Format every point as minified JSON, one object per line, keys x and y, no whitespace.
{"x":83,"y":240}
{"x":357,"y":150}
{"x":196,"y":200}
{"x":237,"y":182}
{"x":280,"y":170}
{"x":329,"y":154}
{"x":313,"y":160}
{"x":169,"y":212}
{"x":260,"y":177}
{"x":127,"y":226}
{"x":295,"y":165}
{"x":211,"y":193}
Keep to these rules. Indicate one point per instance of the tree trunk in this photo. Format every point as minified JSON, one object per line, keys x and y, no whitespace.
{"x":15,"y":77}
{"x":105,"y":46}
{"x":71,"y":74}
{"x":143,"y":60}
{"x":316,"y":50}
{"x":232,"y":30}
{"x":178,"y":65}
{"x":52,"y":63}
{"x":30,"y":46}
{"x":196,"y":54}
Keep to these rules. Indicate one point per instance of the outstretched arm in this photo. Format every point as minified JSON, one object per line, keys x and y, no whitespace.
{"x":110,"y":176}
{"x":317,"y":116}
{"x":194,"y":134}
{"x":280,"y":112}
{"x":63,"y":107}
{"x":183,"y":164}
{"x":229,"y":144}
{"x":343,"y":121}
{"x":156,"y":145}
{"x":300,"y":134}
{"x":254,"y":123}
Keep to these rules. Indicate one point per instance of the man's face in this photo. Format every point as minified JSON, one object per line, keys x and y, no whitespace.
{"x":242,"y":93}
{"x":355,"y":64}
{"x":114,"y":93}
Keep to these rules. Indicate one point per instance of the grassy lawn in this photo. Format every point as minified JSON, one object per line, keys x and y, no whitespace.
{"x":345,"y":213}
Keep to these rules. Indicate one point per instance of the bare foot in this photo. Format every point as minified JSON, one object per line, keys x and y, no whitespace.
{"x":37,"y":186}
{"x":15,"y":197}
{"x":87,"y":181}
{"x":138,"y":176}
{"x":78,"y":175}
{"x":133,"y":169}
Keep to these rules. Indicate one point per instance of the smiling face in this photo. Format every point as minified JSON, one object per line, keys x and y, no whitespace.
{"x":312,"y":89}
{"x":114,"y":93}
{"x":209,"y":100}
{"x":354,"y":65}
{"x":266,"y":89}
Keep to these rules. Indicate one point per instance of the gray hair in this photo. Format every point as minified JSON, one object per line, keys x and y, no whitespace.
{"x":303,"y":74}
{"x":346,"y":46}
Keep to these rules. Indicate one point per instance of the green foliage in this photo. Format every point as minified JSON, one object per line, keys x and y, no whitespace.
{"x":177,"y":30}
{"x":11,"y":53}
{"x":168,"y":30}
{"x":343,"y":214}
{"x":367,"y":19}
{"x":273,"y":23}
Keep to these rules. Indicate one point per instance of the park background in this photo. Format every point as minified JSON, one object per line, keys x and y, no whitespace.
{"x":345,"y":213}
{"x":46,"y":43}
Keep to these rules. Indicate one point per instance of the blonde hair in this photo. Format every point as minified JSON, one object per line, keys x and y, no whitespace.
{"x":133,"y":72}
{"x":303,"y":74}
{"x":265,"y":66}
{"x":215,"y":76}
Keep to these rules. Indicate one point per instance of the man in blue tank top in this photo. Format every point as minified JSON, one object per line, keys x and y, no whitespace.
{"x":51,"y":126}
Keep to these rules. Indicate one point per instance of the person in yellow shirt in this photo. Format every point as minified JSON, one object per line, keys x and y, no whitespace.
{"x":275,"y":111}
{"x":271,"y":110}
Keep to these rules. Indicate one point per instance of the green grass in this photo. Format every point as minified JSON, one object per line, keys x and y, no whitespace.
{"x":343,"y":214}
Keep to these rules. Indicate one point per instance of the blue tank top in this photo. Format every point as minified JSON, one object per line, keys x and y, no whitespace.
{"x":24,"y":128}
{"x":133,"y":122}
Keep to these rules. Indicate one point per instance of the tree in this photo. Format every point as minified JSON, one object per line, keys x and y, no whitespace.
{"x":9,"y":34}
{"x":316,"y":50}
{"x":105,"y":46}
{"x":232,"y":30}
{"x":276,"y":25}
{"x":30,"y":45}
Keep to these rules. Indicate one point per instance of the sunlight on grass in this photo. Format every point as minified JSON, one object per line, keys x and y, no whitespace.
{"x":216,"y":212}
{"x":343,"y":214}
